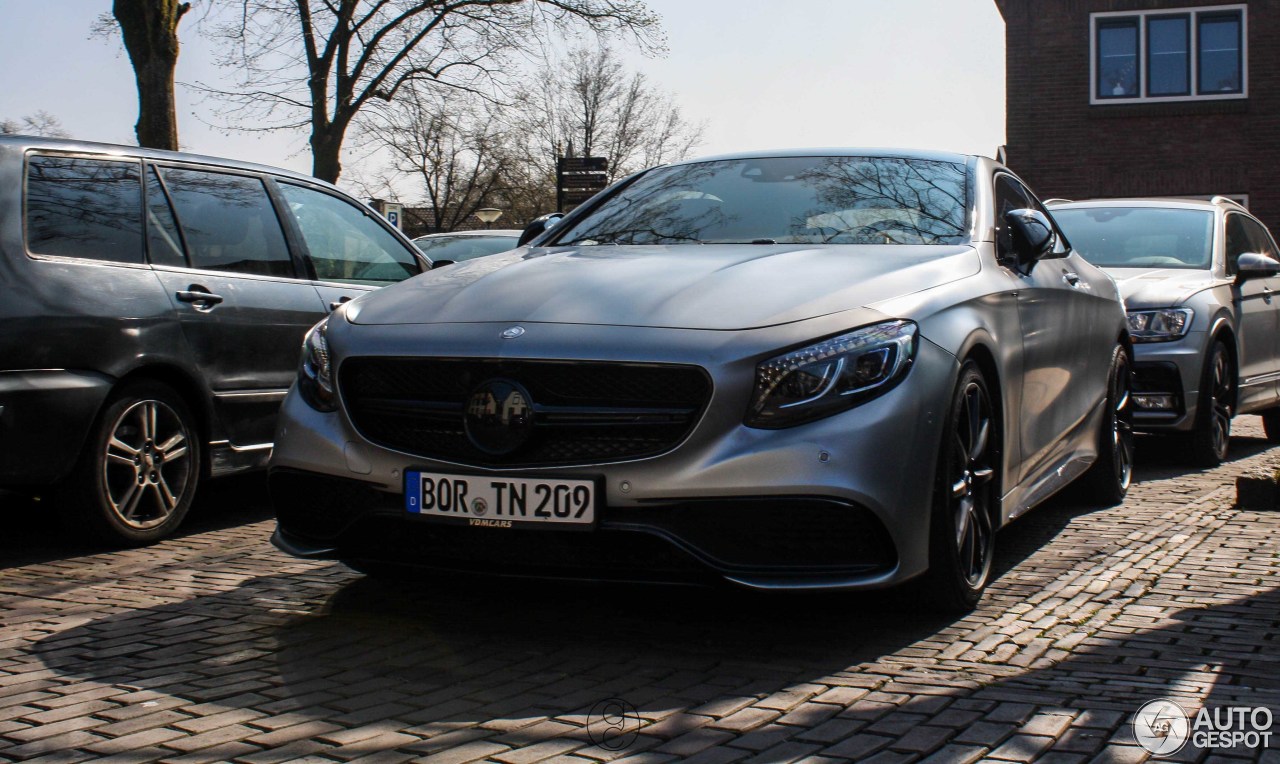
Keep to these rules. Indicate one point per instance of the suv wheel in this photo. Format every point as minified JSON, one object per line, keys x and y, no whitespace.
{"x":137,"y":476}
{"x":1212,"y":435}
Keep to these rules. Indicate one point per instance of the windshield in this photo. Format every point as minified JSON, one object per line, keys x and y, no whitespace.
{"x":1139,"y":237}
{"x":458,"y":248}
{"x":785,"y":200}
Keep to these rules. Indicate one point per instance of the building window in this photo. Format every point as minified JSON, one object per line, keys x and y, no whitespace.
{"x":1169,"y":55}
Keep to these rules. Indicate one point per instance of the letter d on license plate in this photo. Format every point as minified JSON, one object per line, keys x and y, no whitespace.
{"x":500,"y":501}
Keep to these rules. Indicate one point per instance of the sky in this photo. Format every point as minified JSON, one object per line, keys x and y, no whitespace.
{"x":758,"y":74}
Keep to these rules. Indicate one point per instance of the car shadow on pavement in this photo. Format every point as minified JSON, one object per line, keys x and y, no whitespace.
{"x":34,"y":533}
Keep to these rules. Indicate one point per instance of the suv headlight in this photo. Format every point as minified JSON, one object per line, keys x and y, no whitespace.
{"x":1159,"y":325}
{"x":315,"y":372}
{"x":831,"y":376}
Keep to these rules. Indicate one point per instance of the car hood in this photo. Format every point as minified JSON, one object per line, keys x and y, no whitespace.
{"x":718,"y":286}
{"x":1160,"y":287}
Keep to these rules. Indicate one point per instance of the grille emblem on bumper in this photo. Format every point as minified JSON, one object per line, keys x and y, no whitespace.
{"x":499,"y":416}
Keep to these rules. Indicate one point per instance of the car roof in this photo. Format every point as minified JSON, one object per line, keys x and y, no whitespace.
{"x":895,"y":153}
{"x":505,"y":233}
{"x":71,"y":145}
{"x":1171,"y":203}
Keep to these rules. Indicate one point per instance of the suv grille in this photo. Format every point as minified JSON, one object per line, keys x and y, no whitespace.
{"x":583,"y":412}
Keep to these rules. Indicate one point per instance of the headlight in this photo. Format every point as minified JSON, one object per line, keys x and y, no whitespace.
{"x":1159,"y":325}
{"x":831,"y":376}
{"x":315,"y":372}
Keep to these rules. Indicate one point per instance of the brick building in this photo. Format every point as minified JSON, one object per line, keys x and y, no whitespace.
{"x":1109,"y":98}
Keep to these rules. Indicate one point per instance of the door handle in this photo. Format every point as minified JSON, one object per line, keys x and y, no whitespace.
{"x":339,"y":302}
{"x":199,"y":297}
{"x":1071,"y":278}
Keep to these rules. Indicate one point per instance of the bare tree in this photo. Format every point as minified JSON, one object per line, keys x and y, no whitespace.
{"x":150,"y":32}
{"x":41,"y":123}
{"x":451,"y":145}
{"x":592,"y":104}
{"x":317,"y":64}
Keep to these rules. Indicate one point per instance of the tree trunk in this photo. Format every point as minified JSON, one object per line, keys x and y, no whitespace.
{"x":150,"y":32}
{"x":326,"y":150}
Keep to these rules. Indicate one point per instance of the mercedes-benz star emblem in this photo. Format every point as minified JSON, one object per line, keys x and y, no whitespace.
{"x":499,"y":416}
{"x":511,"y":332}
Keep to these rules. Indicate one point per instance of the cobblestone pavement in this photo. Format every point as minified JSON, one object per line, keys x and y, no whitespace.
{"x":215,"y":647}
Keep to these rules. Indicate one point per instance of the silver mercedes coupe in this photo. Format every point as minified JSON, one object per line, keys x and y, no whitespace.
{"x":788,"y":370}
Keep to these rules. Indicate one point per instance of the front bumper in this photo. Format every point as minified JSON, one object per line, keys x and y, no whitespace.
{"x":843,"y":502}
{"x":1169,"y":371}
{"x":45,"y":416}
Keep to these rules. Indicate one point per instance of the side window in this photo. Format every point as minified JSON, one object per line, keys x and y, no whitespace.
{"x":228,"y":222}
{"x":344,"y":243}
{"x":1009,"y":195}
{"x":1246,"y":235}
{"x":90,"y":208}
{"x":164,"y":243}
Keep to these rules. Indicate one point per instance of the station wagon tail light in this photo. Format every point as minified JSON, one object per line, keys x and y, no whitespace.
{"x":315,"y":372}
{"x":831,"y":376}
{"x":1159,"y":325}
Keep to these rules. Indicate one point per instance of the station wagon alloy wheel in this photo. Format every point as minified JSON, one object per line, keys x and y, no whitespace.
{"x":147,"y":464}
{"x":138,"y":473}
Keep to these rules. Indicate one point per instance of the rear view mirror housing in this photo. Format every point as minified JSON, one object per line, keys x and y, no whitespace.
{"x":537,"y":226}
{"x":1031,"y":234}
{"x":1252,"y":265}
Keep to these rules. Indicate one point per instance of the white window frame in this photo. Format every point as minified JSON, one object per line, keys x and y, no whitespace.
{"x":1193,"y":13}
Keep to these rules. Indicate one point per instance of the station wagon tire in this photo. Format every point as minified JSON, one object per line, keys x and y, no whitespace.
{"x":1212,"y":435}
{"x":135,"y":479}
{"x":1107,"y":481}
{"x":962,"y":528}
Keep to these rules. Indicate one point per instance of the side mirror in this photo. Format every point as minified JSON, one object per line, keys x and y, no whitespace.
{"x":1251,"y":265}
{"x":1031,"y":234}
{"x":537,"y":226}
{"x":441,"y":263}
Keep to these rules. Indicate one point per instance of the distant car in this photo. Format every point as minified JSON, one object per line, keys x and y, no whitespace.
{"x":787,"y":370}
{"x":1199,"y":279}
{"x":456,"y":247}
{"x":153,"y":304}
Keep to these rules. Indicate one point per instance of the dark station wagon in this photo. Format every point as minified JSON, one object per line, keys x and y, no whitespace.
{"x":153,"y":304}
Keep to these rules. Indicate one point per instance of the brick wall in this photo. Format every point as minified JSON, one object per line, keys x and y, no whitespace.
{"x":1064,"y":147}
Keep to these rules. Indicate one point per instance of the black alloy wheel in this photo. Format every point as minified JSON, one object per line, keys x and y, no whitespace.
{"x":1212,"y":435}
{"x":963,"y":523}
{"x":1108,"y":480}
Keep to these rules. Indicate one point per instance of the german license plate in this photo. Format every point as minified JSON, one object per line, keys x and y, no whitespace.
{"x":492,"y":501}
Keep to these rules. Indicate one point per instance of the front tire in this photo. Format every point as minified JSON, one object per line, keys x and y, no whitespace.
{"x":1107,"y":481}
{"x":137,"y":476}
{"x":962,"y":526}
{"x":1212,"y":435}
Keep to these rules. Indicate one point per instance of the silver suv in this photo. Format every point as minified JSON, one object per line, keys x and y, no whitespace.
{"x":1199,"y":280}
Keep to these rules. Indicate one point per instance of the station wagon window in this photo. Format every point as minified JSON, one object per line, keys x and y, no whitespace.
{"x":87,"y":208}
{"x":1169,"y":55}
{"x":164,"y":243}
{"x":228,"y":222}
{"x":345,"y":244}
